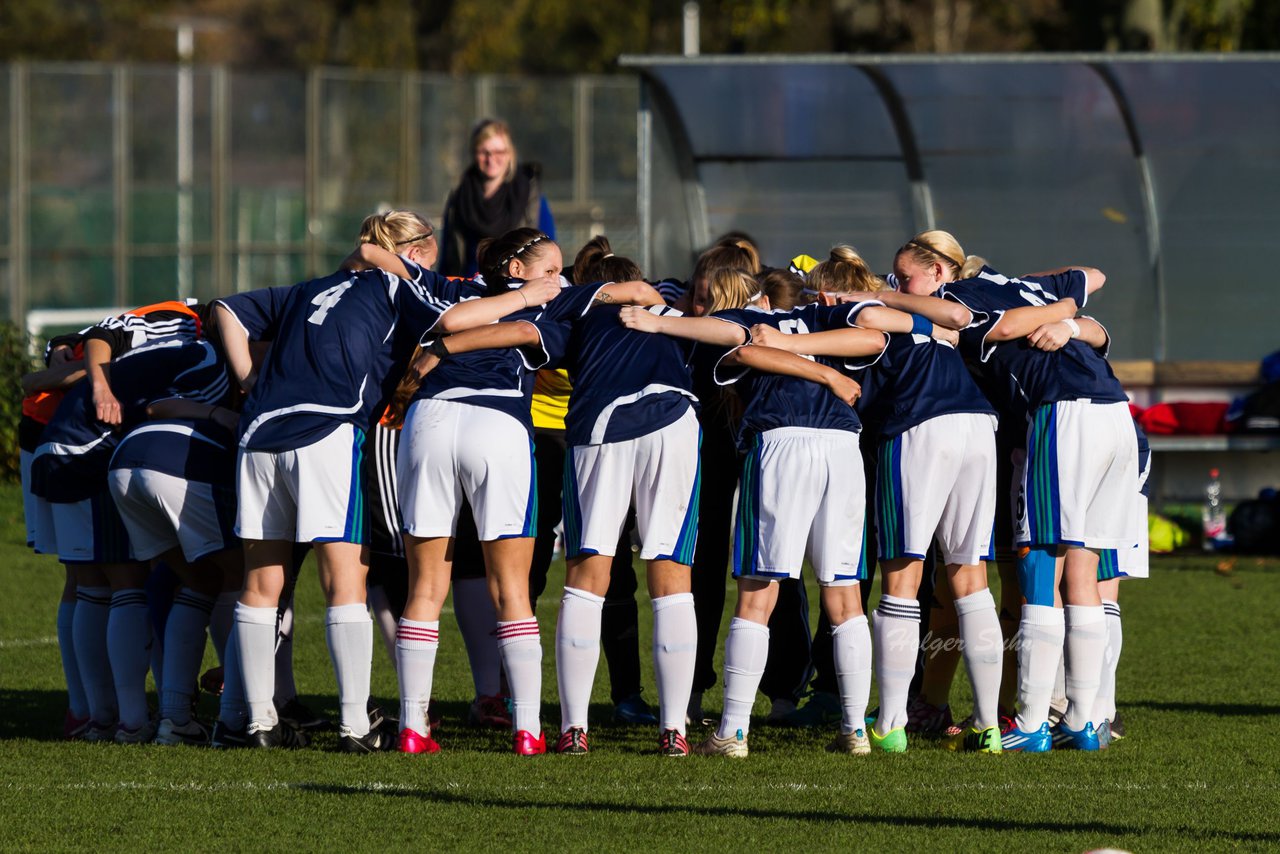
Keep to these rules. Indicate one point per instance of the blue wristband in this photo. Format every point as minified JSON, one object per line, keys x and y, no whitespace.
{"x":921,"y":325}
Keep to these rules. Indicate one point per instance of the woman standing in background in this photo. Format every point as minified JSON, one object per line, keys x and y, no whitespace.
{"x":497,"y":193}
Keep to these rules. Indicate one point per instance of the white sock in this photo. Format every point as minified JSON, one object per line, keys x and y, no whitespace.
{"x":224,"y":614}
{"x":852,"y":650}
{"x":746,"y":650}
{"x":184,"y":634}
{"x":384,"y":619}
{"x":521,"y":651}
{"x":89,"y":635}
{"x":897,"y":630}
{"x":477,"y":620}
{"x":232,"y":709}
{"x":416,"y":646}
{"x":129,"y":648}
{"x":349,"y":631}
{"x":1040,"y":635}
{"x":983,"y":649}
{"x":1085,"y":648}
{"x":255,"y":637}
{"x":77,"y":702}
{"x":285,"y":688}
{"x":1104,"y":707}
{"x":577,"y":654}
{"x":675,"y":648}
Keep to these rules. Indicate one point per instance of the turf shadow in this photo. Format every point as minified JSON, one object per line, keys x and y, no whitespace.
{"x":1224,"y":709}
{"x":881,"y":818}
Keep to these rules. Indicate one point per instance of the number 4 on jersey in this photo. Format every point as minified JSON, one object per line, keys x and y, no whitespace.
{"x":327,"y":300}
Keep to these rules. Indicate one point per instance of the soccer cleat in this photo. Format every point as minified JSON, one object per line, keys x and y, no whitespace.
{"x":822,"y":709}
{"x":735,"y":746}
{"x":489,"y":711}
{"x":298,"y":716}
{"x":573,"y":741}
{"x":1015,"y":740}
{"x":74,"y":728}
{"x":192,"y":733}
{"x":893,"y":741}
{"x":525,"y":744}
{"x":373,"y":741}
{"x":413,"y":742}
{"x":672,"y":743}
{"x":854,"y":743}
{"x":226,"y":738}
{"x":96,"y":733}
{"x":1117,"y":728}
{"x":1069,"y":739}
{"x":926,"y":719}
{"x":142,"y":735}
{"x":973,"y":740}
{"x":280,"y":735}
{"x":634,"y":710}
{"x":1104,"y":735}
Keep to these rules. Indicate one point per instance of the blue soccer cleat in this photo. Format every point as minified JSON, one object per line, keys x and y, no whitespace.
{"x":1084,"y":739}
{"x":1015,"y":740}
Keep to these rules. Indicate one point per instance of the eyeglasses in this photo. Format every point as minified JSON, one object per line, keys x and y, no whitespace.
{"x":430,"y":232}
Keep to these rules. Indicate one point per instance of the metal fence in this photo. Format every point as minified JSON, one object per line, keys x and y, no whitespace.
{"x":126,"y":184}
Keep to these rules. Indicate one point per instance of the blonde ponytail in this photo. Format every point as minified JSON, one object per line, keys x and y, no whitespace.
{"x":844,"y":271}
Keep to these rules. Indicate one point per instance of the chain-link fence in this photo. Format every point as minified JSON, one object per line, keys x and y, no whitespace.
{"x":122,"y":185}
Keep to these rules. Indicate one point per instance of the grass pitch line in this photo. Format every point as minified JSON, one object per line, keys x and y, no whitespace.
{"x":24,"y":643}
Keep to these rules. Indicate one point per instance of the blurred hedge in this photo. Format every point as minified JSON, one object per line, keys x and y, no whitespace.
{"x":15,"y":360}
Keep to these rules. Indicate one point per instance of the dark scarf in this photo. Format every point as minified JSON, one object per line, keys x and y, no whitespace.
{"x":478,"y":217}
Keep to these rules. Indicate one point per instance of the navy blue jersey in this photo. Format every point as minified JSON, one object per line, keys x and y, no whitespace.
{"x":626,"y":384}
{"x":1077,"y":371}
{"x":774,"y":400}
{"x":917,"y":378}
{"x":336,"y":340}
{"x":75,"y":449}
{"x":497,"y":379}
{"x":197,"y":451}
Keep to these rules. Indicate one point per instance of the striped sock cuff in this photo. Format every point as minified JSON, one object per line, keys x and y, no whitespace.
{"x":414,"y":634}
{"x":94,"y":595}
{"x":1112,"y":609}
{"x":192,"y":599}
{"x":517,"y":630}
{"x":129,"y":598}
{"x":898,"y":609}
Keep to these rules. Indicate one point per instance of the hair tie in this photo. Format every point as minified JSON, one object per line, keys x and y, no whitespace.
{"x":512,"y":256}
{"x":606,"y":255}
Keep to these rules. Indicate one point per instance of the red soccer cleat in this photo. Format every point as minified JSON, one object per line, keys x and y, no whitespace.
{"x":412,"y":742}
{"x":526,"y":744}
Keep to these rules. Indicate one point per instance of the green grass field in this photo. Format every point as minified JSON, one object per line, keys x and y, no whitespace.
{"x":1199,"y":691}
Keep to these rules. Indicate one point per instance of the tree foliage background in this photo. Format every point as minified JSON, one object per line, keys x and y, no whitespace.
{"x":547,"y":36}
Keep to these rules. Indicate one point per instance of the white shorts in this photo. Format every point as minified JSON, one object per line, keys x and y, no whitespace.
{"x":311,"y":494}
{"x":450,"y":451}
{"x":90,"y":531}
{"x":938,"y":479}
{"x":164,"y":512}
{"x":29,"y":511}
{"x":38,"y":512}
{"x":1080,"y":476}
{"x":659,"y":471}
{"x":803,"y":491}
{"x":1134,"y":561}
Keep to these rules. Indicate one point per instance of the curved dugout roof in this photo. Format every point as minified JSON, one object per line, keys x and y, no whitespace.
{"x":1162,"y":171}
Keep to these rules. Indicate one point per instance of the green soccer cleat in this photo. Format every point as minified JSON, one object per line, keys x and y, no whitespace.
{"x":893,"y":741}
{"x":974,"y":740}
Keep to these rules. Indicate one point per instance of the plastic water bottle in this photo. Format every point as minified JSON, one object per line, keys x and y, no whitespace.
{"x":1214,"y":517}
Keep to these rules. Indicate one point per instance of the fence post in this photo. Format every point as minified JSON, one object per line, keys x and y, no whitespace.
{"x":409,"y":138}
{"x":218,"y":178}
{"x":18,"y":193}
{"x":312,"y":193}
{"x":120,"y":182}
